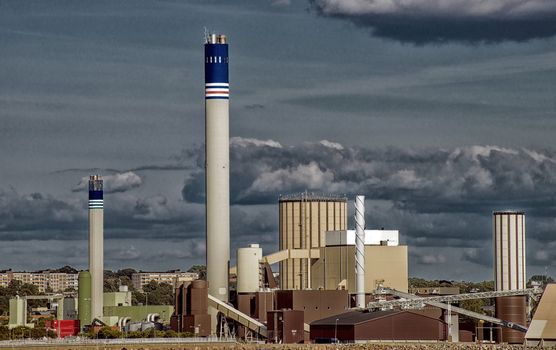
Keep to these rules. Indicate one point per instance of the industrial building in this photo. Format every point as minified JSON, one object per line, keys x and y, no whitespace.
{"x":46,"y":279}
{"x":303,"y":220}
{"x":335,"y":283}
{"x":173,"y":278}
{"x":385,"y":262}
{"x":354,"y":326}
{"x":191,"y":309}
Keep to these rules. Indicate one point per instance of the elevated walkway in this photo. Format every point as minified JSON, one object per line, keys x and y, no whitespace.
{"x":238,"y":316}
{"x":284,"y":255}
{"x":461,"y":311}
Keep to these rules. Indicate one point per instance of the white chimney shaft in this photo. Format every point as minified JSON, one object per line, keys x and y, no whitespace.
{"x":360,"y":251}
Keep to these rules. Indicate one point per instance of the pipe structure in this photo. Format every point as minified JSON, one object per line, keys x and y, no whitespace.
{"x":96,"y":244}
{"x":360,"y":251}
{"x":217,"y":166}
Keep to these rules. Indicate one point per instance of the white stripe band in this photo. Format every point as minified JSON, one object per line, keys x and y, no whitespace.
{"x":217,"y":84}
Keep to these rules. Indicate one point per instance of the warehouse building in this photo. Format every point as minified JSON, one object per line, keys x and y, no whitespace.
{"x":381,"y":325}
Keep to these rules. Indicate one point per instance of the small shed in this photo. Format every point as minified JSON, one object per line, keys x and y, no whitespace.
{"x":379,"y":325}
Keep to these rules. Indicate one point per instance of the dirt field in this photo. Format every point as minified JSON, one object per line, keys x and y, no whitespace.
{"x":232,"y":346}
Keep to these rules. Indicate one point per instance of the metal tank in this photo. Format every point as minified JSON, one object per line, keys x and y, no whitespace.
{"x":84,"y":298}
{"x":513,"y":309}
{"x":96,"y":244}
{"x":248,"y":270}
{"x":304,"y":219}
{"x":510,"y":271}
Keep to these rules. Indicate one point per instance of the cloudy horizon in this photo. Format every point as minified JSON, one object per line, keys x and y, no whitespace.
{"x":437,"y":128}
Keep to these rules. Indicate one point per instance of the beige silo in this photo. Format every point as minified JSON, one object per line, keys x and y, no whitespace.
{"x":304,"y":219}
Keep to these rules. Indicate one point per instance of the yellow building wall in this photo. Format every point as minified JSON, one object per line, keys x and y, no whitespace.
{"x":303,"y":224}
{"x":386,"y":265}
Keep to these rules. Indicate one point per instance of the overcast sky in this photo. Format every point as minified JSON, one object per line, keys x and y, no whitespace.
{"x":438,"y":111}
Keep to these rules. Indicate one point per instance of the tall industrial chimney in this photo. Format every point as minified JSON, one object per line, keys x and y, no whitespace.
{"x":96,"y":245}
{"x":217,"y":166}
{"x":360,"y":251}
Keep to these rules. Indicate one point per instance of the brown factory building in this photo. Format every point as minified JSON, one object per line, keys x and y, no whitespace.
{"x":191,"y":309}
{"x":380,"y":325}
{"x":315,"y":304}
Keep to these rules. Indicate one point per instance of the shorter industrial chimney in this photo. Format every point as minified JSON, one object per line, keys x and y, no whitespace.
{"x":360,"y":251}
{"x":96,"y":244}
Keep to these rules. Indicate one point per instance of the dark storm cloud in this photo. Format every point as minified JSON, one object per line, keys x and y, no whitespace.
{"x":37,"y":215}
{"x":439,"y":21}
{"x":127,"y":216}
{"x":44,"y":217}
{"x":473,"y":179}
{"x":479,"y":255}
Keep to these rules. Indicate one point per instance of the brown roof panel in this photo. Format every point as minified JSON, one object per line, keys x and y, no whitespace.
{"x":354,"y":317}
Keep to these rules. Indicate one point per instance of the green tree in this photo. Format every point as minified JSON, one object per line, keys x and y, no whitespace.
{"x":199,"y":269}
{"x":475,"y":305}
{"x":170,"y":334}
{"x":542,"y":279}
{"x":108,"y":333}
{"x":66,"y":269}
{"x":14,"y":288}
{"x":126,"y":273}
{"x":134,"y":334}
{"x":4,"y":333}
{"x":155,"y":294}
{"x":38,"y":332}
{"x":21,"y":332}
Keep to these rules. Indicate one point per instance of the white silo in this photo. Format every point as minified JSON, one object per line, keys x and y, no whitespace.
{"x":248,"y":268}
{"x":509,"y":271}
{"x":509,"y":250}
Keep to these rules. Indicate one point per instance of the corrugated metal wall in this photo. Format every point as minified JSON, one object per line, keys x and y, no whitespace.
{"x":303,"y":223}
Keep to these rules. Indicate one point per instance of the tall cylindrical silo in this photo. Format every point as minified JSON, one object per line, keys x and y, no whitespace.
{"x":304,"y":219}
{"x":248,"y":273}
{"x":510,"y":270}
{"x":84,"y":298}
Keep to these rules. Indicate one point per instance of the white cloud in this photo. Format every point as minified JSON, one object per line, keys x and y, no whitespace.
{"x":244,"y":142}
{"x":446,"y":8}
{"x":308,"y":176}
{"x":331,"y":144}
{"x":120,"y":182}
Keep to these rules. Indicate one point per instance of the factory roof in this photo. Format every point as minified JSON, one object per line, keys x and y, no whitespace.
{"x":353,"y":317}
{"x":312,"y":196}
{"x":508,"y":211}
{"x":357,"y":317}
